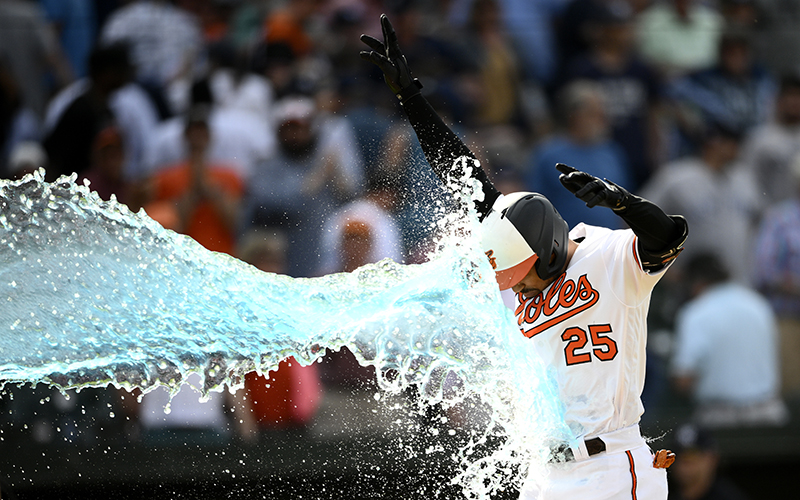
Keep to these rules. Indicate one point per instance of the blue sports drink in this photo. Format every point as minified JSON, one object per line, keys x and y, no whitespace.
{"x":94,"y":294}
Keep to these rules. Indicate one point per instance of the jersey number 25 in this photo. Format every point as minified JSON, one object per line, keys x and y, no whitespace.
{"x":603,"y":347}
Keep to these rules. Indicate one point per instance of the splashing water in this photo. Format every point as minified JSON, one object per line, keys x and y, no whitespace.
{"x":94,"y":294}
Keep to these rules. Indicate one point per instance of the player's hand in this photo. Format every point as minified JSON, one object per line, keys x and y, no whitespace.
{"x":592,"y":190}
{"x":387,"y":56}
{"x":662,"y":459}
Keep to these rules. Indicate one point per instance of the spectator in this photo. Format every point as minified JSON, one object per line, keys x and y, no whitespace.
{"x":186,"y":418}
{"x":137,"y":117}
{"x":351,"y":89}
{"x":279,"y":65}
{"x":265,"y":250}
{"x":308,"y":178}
{"x":106,"y":171}
{"x":743,"y":13}
{"x":777,"y":275}
{"x":718,"y":199}
{"x":370,"y":123}
{"x":585,"y":144}
{"x":18,"y":123}
{"x":360,"y":233}
{"x":737,"y":92}
{"x":73,"y":419}
{"x":440,"y":63}
{"x":679,"y":36}
{"x":214,"y":16}
{"x":695,"y":474}
{"x":346,"y":20}
{"x":364,"y":231}
{"x":198,"y":197}
{"x":69,"y":139}
{"x":338,"y":136}
{"x":498,"y":71}
{"x":26,"y":158}
{"x":291,"y":394}
{"x":29,"y":47}
{"x":166,"y":46}
{"x":234,"y":87}
{"x":631,"y":87}
{"x":772,"y":148}
{"x":201,"y":199}
{"x":75,"y":24}
{"x":531,"y":28}
{"x":245,"y":24}
{"x":289,"y":25}
{"x":575,"y":25}
{"x":239,"y":139}
{"x":134,"y":114}
{"x":423,"y":200}
{"x":777,"y":34}
{"x":726,"y":350}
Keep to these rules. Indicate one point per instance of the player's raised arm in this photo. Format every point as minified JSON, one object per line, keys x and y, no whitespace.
{"x":661,"y":236}
{"x":441,"y":146}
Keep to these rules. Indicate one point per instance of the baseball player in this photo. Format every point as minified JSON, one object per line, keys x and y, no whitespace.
{"x":582,"y":296}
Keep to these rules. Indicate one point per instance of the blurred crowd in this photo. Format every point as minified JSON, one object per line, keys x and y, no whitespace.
{"x":254,"y":127}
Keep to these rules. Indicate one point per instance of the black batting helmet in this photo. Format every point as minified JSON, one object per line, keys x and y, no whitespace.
{"x":521,"y":228}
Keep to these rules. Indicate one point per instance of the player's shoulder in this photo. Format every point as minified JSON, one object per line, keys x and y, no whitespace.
{"x":588,"y":233}
{"x":597,"y":240}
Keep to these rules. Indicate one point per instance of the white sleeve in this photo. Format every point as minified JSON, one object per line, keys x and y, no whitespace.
{"x":632,"y":283}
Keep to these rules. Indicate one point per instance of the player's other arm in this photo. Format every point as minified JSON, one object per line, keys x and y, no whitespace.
{"x":661,"y":236}
{"x":441,"y":145}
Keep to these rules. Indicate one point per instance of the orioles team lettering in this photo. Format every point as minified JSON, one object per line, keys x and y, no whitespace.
{"x":564,"y":299}
{"x":492,"y":258}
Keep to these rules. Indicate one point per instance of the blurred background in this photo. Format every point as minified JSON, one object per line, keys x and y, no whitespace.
{"x":254,"y":127}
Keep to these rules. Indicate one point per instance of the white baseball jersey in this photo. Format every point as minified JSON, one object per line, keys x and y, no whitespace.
{"x":590,"y":327}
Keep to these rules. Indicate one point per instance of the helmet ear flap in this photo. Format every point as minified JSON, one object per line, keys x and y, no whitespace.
{"x":551,"y":239}
{"x":522,"y":225}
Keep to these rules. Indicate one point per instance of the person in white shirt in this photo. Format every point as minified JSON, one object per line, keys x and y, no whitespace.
{"x":239,"y":138}
{"x":369,"y":219}
{"x":726,"y":350}
{"x":166,"y":44}
{"x":718,"y":198}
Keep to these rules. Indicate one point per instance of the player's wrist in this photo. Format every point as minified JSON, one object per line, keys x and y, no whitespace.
{"x":620,"y":199}
{"x":408,"y":92}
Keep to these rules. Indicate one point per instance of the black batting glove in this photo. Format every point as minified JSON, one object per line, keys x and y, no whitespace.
{"x":592,"y":190}
{"x":387,"y":56}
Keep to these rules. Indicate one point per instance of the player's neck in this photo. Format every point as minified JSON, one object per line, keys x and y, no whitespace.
{"x":572,"y":245}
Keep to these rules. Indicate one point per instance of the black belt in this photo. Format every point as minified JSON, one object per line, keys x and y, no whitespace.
{"x":563,"y":453}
